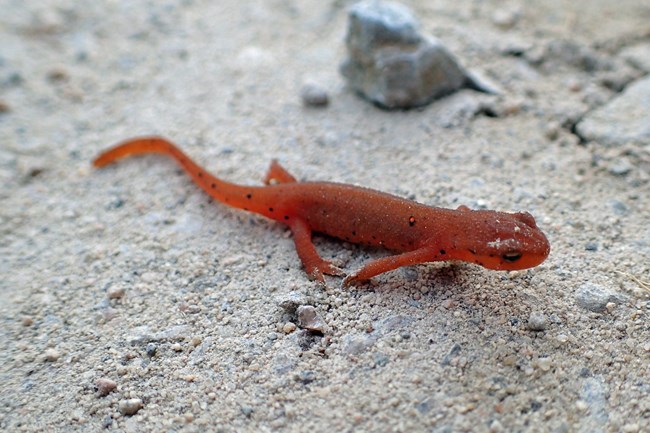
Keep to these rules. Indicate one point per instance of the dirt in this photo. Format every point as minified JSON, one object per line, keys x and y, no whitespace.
{"x":131,"y":302}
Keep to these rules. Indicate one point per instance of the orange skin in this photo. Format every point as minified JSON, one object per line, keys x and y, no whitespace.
{"x":418,"y":233}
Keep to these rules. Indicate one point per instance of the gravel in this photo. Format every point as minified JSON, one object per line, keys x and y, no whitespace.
{"x":441,"y":347}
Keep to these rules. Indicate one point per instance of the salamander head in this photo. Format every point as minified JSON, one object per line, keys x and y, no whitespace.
{"x":502,"y":241}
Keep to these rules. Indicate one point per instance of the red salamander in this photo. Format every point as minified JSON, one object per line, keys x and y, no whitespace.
{"x":415,"y":232}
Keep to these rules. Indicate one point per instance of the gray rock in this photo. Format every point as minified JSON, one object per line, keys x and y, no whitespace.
{"x":624,"y":119}
{"x":594,"y":297}
{"x":391,"y":64}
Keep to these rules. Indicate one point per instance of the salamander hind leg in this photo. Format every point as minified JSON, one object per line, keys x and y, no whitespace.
{"x":389,"y":263}
{"x":314,"y":264}
{"x":278,"y":174}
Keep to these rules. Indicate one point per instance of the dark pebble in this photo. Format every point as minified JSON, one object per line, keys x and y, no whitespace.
{"x":151,"y":349}
{"x":313,"y":95}
{"x":247,"y":411}
{"x":306,"y":377}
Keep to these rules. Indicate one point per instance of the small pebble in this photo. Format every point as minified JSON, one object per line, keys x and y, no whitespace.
{"x":130,"y":406}
{"x":313,"y":95}
{"x":308,"y":318}
{"x":505,"y":19}
{"x":448,"y":303}
{"x":381,"y":360}
{"x":151,"y":349}
{"x":544,"y":364}
{"x":291,"y":301}
{"x":306,"y":377}
{"x":621,"y":167}
{"x":631,"y":428}
{"x":195,"y":341}
{"x":618,"y":207}
{"x":562,"y":338}
{"x":537,"y":321}
{"x":289,"y":327}
{"x":247,"y":411}
{"x":552,"y":130}
{"x":105,"y":386}
{"x":57,"y":75}
{"x":51,"y":355}
{"x":27,"y":321}
{"x":115,"y":292}
{"x":176,"y":347}
{"x":581,"y":405}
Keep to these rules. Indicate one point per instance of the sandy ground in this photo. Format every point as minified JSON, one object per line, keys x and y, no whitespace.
{"x":132,"y":277}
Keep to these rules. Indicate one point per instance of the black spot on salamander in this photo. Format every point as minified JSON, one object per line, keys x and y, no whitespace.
{"x":200,"y":174}
{"x":374,"y":238}
{"x":286,"y":217}
{"x":249,"y":196}
{"x":471,"y":250}
{"x":411,"y":221}
{"x":270,"y":209}
{"x":245,"y":208}
{"x":443,"y":252}
{"x":213,"y":185}
{"x":354,"y":233}
{"x":347,"y":238}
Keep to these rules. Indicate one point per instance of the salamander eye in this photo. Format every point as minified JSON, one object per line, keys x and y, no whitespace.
{"x":511,"y":256}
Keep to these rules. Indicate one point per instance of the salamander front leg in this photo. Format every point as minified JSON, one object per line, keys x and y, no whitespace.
{"x":314,"y":264}
{"x":389,"y":263}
